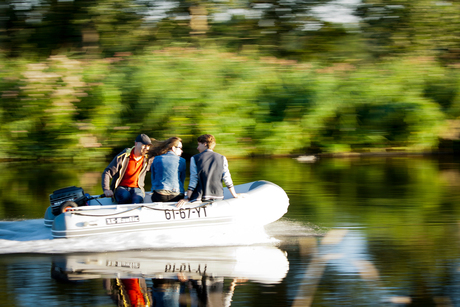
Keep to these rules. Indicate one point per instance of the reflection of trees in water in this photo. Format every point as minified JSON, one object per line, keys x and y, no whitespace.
{"x":343,"y":255}
{"x":347,"y":259}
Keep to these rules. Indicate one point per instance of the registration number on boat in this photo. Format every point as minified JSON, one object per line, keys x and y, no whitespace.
{"x":122,"y":220}
{"x":185,"y":213}
{"x":186,"y":267}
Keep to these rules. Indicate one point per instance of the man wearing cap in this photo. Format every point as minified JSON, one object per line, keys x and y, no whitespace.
{"x":127,"y":172}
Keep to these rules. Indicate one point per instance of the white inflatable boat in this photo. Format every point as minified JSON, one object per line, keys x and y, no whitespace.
{"x":264,"y":202}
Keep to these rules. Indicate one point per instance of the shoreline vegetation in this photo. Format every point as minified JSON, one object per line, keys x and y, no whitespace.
{"x":80,"y":79}
{"x":89,"y":108}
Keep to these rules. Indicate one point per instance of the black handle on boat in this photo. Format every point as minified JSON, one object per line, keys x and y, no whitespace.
{"x":96,"y":197}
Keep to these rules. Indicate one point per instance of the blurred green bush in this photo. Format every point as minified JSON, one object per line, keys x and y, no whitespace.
{"x":90,"y":108}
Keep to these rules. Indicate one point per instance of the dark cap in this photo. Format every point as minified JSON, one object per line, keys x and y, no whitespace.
{"x":144,"y":139}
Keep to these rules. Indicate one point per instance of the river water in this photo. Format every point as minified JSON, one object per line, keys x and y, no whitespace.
{"x":360,"y":231}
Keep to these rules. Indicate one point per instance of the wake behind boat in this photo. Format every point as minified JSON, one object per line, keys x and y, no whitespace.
{"x":264,"y":203}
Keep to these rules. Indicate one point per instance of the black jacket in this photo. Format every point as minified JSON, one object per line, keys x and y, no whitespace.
{"x":210,"y":167}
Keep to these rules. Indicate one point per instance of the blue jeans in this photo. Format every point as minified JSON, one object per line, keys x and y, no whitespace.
{"x":127,"y":195}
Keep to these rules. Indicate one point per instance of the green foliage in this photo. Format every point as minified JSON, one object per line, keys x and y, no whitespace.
{"x":284,"y":29}
{"x":379,"y":106}
{"x":424,"y":27}
{"x":66,"y":108}
{"x":40,"y":111}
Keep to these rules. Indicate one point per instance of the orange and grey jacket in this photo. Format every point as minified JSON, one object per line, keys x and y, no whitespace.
{"x":117,"y":168}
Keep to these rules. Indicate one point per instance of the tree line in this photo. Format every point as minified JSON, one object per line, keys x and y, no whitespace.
{"x":81,"y":78}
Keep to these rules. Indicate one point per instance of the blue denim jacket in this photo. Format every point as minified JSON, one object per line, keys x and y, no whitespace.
{"x":168,"y":173}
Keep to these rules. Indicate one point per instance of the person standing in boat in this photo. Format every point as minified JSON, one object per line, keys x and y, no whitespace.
{"x":124,"y":177}
{"x":207,"y":171}
{"x":168,"y":171}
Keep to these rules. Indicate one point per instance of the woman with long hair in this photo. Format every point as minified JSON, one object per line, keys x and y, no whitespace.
{"x":168,"y":170}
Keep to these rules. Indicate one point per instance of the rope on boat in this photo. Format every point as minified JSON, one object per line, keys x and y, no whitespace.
{"x":138,"y":207}
{"x":98,"y":215}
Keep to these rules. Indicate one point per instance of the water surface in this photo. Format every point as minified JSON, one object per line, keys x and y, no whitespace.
{"x":359,"y":232}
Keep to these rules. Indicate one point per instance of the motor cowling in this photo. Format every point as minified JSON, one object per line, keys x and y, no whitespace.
{"x":73,"y":193}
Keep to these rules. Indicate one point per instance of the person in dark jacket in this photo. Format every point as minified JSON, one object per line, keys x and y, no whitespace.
{"x":207,"y":171}
{"x":124,"y":177}
{"x":168,"y":171}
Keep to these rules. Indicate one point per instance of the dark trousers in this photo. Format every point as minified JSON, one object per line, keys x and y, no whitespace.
{"x":127,"y":195}
{"x":157,"y":197}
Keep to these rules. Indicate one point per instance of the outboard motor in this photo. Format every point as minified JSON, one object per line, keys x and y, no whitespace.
{"x":67,"y":197}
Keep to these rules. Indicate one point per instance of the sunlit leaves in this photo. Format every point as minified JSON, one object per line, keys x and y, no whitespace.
{"x":265,"y":106}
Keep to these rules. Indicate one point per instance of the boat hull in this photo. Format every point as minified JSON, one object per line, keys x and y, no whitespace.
{"x":264,"y":202}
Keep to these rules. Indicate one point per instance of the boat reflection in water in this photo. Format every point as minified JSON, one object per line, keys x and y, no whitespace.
{"x":178,"y":277}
